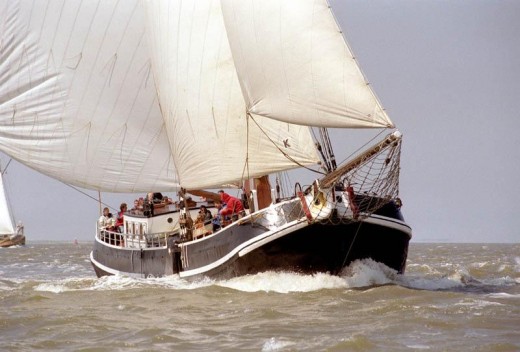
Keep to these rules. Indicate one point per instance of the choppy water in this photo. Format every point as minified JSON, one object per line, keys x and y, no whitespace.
{"x":453,"y":297}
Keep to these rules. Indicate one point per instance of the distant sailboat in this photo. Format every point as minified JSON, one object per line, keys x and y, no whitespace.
{"x":189,"y":96}
{"x":9,"y":235}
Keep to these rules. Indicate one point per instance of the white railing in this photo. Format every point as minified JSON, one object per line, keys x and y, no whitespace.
{"x":126,"y":240}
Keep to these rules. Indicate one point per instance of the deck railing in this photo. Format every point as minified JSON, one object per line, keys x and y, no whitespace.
{"x":127,"y":240}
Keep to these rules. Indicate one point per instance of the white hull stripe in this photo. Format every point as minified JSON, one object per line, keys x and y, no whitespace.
{"x":293,"y":225}
{"x":275,"y":236}
{"x":389,"y":222}
{"x":269,"y":236}
{"x":380,"y":220}
{"x":255,"y":243}
{"x":110,"y":270}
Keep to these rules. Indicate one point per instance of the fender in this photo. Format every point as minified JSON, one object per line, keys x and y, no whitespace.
{"x":317,"y":202}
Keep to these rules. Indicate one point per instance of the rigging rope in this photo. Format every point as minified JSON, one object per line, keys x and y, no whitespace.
{"x":8,"y":163}
{"x":364,"y":145}
{"x":89,"y":196}
{"x":356,"y":189}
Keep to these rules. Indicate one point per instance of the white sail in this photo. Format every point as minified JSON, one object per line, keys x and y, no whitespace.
{"x":77,"y":97}
{"x":6,"y":222}
{"x":105,"y":95}
{"x":295,"y":66}
{"x":212,"y":139}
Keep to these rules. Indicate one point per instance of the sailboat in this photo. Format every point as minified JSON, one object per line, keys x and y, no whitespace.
{"x":192,"y":97}
{"x":9,"y":234}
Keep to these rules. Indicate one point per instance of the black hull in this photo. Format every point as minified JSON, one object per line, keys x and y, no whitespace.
{"x":110,"y":260}
{"x":248,"y":249}
{"x":322,"y":248}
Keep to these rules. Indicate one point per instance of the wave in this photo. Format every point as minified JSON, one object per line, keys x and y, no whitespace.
{"x":360,"y":274}
{"x":117,"y":282}
{"x":459,"y":280}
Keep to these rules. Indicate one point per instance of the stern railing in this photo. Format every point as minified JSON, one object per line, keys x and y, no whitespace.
{"x":126,"y":240}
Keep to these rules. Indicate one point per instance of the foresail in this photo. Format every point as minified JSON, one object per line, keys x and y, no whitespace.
{"x":214,"y":142}
{"x":77,"y":97}
{"x":6,"y":222}
{"x":295,"y":66}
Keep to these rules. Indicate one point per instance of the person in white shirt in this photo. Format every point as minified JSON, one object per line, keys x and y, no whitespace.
{"x":104,"y":219}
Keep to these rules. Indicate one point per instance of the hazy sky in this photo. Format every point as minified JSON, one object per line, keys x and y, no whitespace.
{"x":448,"y":73}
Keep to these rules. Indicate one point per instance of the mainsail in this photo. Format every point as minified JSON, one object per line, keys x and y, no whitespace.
{"x":117,"y":97}
{"x":77,"y":97}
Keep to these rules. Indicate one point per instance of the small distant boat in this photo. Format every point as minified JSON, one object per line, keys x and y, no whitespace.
{"x":17,"y":239}
{"x":9,"y":235}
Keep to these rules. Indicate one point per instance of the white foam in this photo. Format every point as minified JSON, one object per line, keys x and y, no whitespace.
{"x":120,"y":282}
{"x":5,"y":287}
{"x":360,"y":273}
{"x":64,"y":285}
{"x":54,"y":288}
{"x":367,"y":272}
{"x":425,"y":283}
{"x":273,"y":345}
{"x":117,"y":282}
{"x":419,"y":347}
{"x":478,"y":303}
{"x":284,"y":282}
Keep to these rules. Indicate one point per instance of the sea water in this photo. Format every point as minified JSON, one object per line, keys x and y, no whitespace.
{"x":453,"y":297}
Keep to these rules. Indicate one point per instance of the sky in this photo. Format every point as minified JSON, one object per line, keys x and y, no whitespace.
{"x":448,"y":74}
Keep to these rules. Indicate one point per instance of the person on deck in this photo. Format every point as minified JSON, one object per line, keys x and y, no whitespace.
{"x":106,"y":223}
{"x":136,"y":208}
{"x":111,"y":223}
{"x":120,"y":215}
{"x":234,"y":206}
{"x":154,"y":197}
{"x":218,"y":220}
{"x":103,"y":221}
{"x":205,"y":214}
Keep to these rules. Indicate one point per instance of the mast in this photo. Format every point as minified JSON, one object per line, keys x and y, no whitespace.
{"x":324,"y":147}
{"x":100,"y":206}
{"x":258,"y":190}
